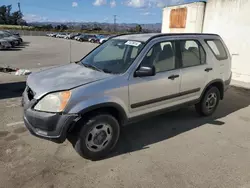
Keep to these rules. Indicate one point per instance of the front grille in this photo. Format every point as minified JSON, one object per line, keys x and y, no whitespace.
{"x":30,"y":93}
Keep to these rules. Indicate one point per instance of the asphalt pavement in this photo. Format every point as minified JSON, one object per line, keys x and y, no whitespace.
{"x":39,"y":52}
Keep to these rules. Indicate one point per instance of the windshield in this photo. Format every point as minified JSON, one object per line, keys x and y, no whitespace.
{"x":114,"y":56}
{"x":4,"y":34}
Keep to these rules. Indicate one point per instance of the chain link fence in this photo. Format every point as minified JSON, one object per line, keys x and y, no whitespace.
{"x":31,"y":33}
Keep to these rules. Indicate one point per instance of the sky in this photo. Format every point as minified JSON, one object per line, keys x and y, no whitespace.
{"x":127,"y":11}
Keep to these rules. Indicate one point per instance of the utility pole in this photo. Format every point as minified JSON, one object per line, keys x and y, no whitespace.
{"x":19,"y":8}
{"x":115,"y":22}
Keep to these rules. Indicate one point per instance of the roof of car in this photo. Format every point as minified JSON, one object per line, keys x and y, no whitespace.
{"x":145,"y":37}
{"x":138,"y":37}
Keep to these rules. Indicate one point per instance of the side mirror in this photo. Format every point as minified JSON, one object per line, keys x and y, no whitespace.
{"x":145,"y":71}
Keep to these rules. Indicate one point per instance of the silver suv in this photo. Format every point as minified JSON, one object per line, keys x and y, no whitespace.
{"x":121,"y":81}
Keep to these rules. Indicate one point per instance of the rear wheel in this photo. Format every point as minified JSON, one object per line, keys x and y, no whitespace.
{"x":209,"y":102}
{"x":98,"y":137}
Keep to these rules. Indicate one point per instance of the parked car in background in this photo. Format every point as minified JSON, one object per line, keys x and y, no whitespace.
{"x":11,"y":39}
{"x":93,"y":39}
{"x":54,"y":34}
{"x":61,"y":35}
{"x":9,"y":34}
{"x":102,"y":40}
{"x":4,"y":44}
{"x":79,"y":36}
{"x":72,"y":35}
{"x":51,"y":34}
{"x":85,"y":37}
{"x":96,"y":38}
{"x":13,"y":33}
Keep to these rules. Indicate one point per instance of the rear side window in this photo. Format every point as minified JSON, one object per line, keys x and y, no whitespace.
{"x":192,"y":53}
{"x":217,"y":48}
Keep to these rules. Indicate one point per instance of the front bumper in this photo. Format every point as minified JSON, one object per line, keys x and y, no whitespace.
{"x":49,"y":126}
{"x":5,"y":46}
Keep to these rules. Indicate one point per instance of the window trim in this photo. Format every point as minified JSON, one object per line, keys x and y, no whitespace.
{"x":218,"y":58}
{"x":177,"y":61}
{"x":199,"y":45}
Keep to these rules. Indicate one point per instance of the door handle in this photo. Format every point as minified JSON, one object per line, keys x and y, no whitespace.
{"x":172,"y":77}
{"x":208,"y":69}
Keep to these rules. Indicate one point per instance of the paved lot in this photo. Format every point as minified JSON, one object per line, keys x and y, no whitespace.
{"x":39,"y":52}
{"x":178,"y":149}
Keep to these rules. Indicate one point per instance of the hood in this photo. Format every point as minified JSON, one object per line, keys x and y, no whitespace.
{"x":62,"y":78}
{"x":3,"y":40}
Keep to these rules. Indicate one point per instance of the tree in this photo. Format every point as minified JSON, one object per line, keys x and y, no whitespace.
{"x":8,"y":17}
{"x":138,"y":29}
{"x":61,"y":27}
{"x":3,"y":11}
{"x":16,"y":18}
{"x":58,"y":27}
{"x":97,"y":29}
{"x":64,"y":27}
{"x":8,"y":14}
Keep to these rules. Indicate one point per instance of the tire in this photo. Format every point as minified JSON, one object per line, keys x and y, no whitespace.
{"x":206,"y":106}
{"x":87,"y":144}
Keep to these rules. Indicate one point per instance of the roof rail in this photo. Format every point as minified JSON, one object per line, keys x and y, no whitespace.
{"x":180,"y":34}
{"x":126,"y":34}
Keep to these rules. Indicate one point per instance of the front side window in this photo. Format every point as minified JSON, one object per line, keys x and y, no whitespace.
{"x":192,"y":53}
{"x":114,"y":56}
{"x":162,"y":56}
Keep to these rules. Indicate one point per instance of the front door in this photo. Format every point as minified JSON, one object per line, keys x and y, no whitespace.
{"x":153,"y":93}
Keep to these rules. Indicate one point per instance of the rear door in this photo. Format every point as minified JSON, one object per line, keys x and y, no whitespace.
{"x":194,"y":69}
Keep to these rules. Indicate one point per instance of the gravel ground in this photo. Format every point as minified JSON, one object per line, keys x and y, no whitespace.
{"x":177,"y":149}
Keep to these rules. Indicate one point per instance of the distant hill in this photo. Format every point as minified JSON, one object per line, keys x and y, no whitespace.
{"x":105,"y":26}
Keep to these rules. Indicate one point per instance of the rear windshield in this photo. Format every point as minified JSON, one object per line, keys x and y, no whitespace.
{"x":217,"y":48}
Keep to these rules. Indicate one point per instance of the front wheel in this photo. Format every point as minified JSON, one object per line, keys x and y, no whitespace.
{"x":209,"y":102}
{"x":98,"y":137}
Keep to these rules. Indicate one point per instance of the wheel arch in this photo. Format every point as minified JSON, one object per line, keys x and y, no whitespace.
{"x":216,"y":83}
{"x":108,"y":107}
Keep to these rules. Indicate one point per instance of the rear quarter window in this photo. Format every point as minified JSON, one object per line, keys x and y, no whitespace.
{"x":217,"y":48}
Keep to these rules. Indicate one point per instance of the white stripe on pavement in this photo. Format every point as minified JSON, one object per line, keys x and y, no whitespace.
{"x":15,"y":123}
{"x":13,"y":105}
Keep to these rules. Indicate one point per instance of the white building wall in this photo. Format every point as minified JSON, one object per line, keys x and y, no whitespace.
{"x":231,"y":20}
{"x":194,"y":22}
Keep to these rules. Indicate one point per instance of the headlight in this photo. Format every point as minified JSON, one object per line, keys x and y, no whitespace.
{"x":54,"y":102}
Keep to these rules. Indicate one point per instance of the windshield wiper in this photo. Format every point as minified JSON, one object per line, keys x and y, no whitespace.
{"x":92,"y":67}
{"x":108,"y":71}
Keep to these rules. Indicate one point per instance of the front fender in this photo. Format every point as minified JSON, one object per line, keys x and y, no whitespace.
{"x":100,"y":102}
